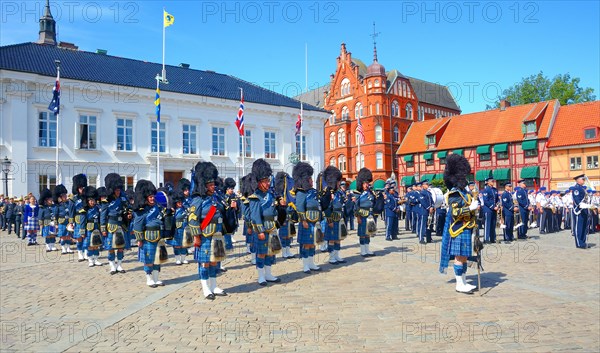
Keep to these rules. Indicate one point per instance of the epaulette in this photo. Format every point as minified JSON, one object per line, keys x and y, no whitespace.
{"x":356,"y":192}
{"x":253,"y":196}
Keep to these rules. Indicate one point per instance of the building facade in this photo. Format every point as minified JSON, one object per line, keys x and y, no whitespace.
{"x":509,"y":143}
{"x":107,"y":121}
{"x":574,"y":145}
{"x":385,"y":103}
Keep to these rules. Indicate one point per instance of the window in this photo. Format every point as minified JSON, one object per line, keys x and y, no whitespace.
{"x":485,"y":157}
{"x":379,"y":160}
{"x":218,"y":141}
{"x":531,"y":153}
{"x":92,"y":180}
{"x":47,"y":181}
{"x":410,"y":164}
{"x":377,"y":108}
{"x":378,"y":133}
{"x":430,"y":139}
{"x":127,"y":182}
{"x":429,"y":162}
{"x":248,"y":138}
{"x":590,"y":133}
{"x":341,"y":135}
{"x":358,"y":111}
{"x":360,"y":161}
{"x":530,"y":127}
{"x":592,"y":162}
{"x":502,"y":155}
{"x":270,"y":143}
{"x":332,"y":161}
{"x":154,"y":138}
{"x":443,"y":161}
{"x":345,"y":87}
{"x":124,"y":135}
{"x":395,"y":109}
{"x":342,"y":163}
{"x":396,"y":134}
{"x":409,"y":111}
{"x":87,"y":132}
{"x":575,"y":163}
{"x":303,"y":157}
{"x":376,"y":83}
{"x":47,"y":130}
{"x":345,"y":113}
{"x":332,"y":140}
{"x":332,"y":118}
{"x":421,"y":116}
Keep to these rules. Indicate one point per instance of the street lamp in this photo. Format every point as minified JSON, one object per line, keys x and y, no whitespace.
{"x":6,"y":170}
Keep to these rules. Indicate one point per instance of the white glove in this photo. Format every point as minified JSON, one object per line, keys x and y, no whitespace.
{"x":584,"y":205}
{"x":474,"y":204}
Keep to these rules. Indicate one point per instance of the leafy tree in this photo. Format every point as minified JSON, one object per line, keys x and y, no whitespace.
{"x":537,"y":88}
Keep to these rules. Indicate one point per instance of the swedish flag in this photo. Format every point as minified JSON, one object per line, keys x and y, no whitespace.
{"x":157,"y":104}
{"x":168,"y":19}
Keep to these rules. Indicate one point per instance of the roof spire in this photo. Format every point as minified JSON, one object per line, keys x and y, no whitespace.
{"x":47,"y":27}
{"x":374,"y":35}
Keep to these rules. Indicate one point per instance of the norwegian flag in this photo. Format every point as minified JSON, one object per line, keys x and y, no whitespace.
{"x":299,"y":124}
{"x":239,"y":121}
{"x":54,"y":105}
{"x":360,"y":132}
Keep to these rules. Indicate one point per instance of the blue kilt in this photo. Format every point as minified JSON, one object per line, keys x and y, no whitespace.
{"x":62,"y":230}
{"x":228,"y":242}
{"x":45,"y":231}
{"x":284,"y":230}
{"x":332,"y":233}
{"x":177,"y":238}
{"x":261,"y":247}
{"x":306,"y":236}
{"x":202,"y":254}
{"x":32,"y":224}
{"x":361,"y":230}
{"x":76,"y":234}
{"x":461,"y":245}
{"x":148,"y":252}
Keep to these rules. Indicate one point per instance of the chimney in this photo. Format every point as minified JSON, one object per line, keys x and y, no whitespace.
{"x":504,"y":104}
{"x":68,"y":45}
{"x":184,"y":65}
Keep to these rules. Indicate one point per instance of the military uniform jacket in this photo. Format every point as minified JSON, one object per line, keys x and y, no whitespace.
{"x":522,"y":198}
{"x":308,"y":205}
{"x":261,"y":210}
{"x":426,"y":201}
{"x":578,"y":197}
{"x":391,"y":204}
{"x":364,"y":203}
{"x":507,"y":203}
{"x":61,"y":212}
{"x":490,"y":198}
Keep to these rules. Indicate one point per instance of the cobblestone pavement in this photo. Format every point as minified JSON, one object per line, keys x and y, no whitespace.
{"x":541,"y":294}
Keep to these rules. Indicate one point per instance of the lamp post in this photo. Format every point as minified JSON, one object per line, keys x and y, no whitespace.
{"x":6,"y":169}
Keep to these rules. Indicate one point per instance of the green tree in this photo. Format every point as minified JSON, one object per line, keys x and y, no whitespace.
{"x":537,"y":88}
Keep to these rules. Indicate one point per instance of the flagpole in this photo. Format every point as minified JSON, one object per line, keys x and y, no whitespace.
{"x":158,"y":137}
{"x":164,"y":71}
{"x":243,"y":140}
{"x":306,"y":90}
{"x":58,"y":181}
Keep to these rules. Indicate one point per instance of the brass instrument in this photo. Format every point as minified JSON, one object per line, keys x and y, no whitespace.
{"x":518,"y":221}
{"x":588,"y":199}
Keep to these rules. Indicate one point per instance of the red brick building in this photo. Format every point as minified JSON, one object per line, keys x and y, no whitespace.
{"x":508,"y":143}
{"x":386,"y":102}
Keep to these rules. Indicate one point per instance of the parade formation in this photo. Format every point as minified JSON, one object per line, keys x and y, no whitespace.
{"x":200,"y":217}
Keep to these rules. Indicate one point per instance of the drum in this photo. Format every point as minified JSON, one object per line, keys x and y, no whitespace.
{"x":438,"y":197}
{"x":161,"y":199}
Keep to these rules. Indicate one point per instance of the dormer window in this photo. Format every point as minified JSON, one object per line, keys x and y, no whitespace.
{"x":590,"y":133}
{"x":530,"y":127}
{"x":430,"y":140}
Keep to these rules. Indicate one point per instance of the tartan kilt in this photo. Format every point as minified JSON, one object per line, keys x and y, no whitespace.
{"x":332,"y":233}
{"x":202,"y":254}
{"x":261,"y":247}
{"x":461,"y":245}
{"x":32,"y":224}
{"x":306,"y":235}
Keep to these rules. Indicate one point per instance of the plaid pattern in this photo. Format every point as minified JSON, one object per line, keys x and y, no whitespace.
{"x":261,"y":246}
{"x":202,"y":254}
{"x":306,"y":235}
{"x":148,"y":252}
{"x":459,"y":246}
{"x":32,"y":224}
{"x":332,"y":233}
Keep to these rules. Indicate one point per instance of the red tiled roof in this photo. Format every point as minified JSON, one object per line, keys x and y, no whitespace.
{"x":571,"y":122}
{"x":481,"y":128}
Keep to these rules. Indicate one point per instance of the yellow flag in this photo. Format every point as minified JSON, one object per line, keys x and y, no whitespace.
{"x":168,"y":19}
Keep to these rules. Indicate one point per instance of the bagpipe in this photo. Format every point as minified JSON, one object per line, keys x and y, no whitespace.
{"x":168,"y":216}
{"x":326,"y":196}
{"x":284,"y":191}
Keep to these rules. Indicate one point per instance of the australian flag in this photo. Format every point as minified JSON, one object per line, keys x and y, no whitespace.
{"x":54,"y":105}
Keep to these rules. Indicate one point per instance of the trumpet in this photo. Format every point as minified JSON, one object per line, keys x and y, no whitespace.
{"x":588,"y":199}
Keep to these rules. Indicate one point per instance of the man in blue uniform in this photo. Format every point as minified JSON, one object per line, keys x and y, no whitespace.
{"x":408,"y":209}
{"x":580,"y":212}
{"x":490,"y":207}
{"x":391,"y":213}
{"x":364,"y":211}
{"x":427,"y":209}
{"x":508,"y":214}
{"x":309,"y":214}
{"x":524,"y":208}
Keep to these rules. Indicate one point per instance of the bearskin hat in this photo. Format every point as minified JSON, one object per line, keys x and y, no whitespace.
{"x":204,"y":173}
{"x":176,"y":196}
{"x":248,"y":185}
{"x":183,"y":184}
{"x":130,"y":194}
{"x":280,"y":179}
{"x":302,"y":173}
{"x":332,"y":176}
{"x":44,"y":195}
{"x":229,"y":183}
{"x":169,"y":187}
{"x":261,"y":169}
{"x":457,"y":169}
{"x":364,"y":175}
{"x":102,"y":192}
{"x":90,"y":192}
{"x":143,"y":189}
{"x":59,"y":190}
{"x":113,"y":181}
{"x":79,"y":181}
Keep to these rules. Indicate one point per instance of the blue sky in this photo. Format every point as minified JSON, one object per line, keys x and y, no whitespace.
{"x":477,"y":48}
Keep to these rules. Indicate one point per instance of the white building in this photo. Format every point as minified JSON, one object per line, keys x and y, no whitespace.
{"x":107,"y":120}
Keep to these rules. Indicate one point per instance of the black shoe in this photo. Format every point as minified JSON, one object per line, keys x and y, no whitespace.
{"x":388,"y":239}
{"x":210,"y":296}
{"x":371,"y":255}
{"x":333,"y":263}
{"x":342,"y":261}
{"x":262,"y":283}
{"x":291,"y":257}
{"x":394,"y":238}
{"x":307,"y":272}
{"x":274,"y":281}
{"x":316,"y":270}
{"x":224,"y":294}
{"x":30,"y":244}
{"x":223,"y":270}
{"x":122,"y":271}
{"x":421,"y":241}
{"x":112,"y":272}
{"x":48,"y":250}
